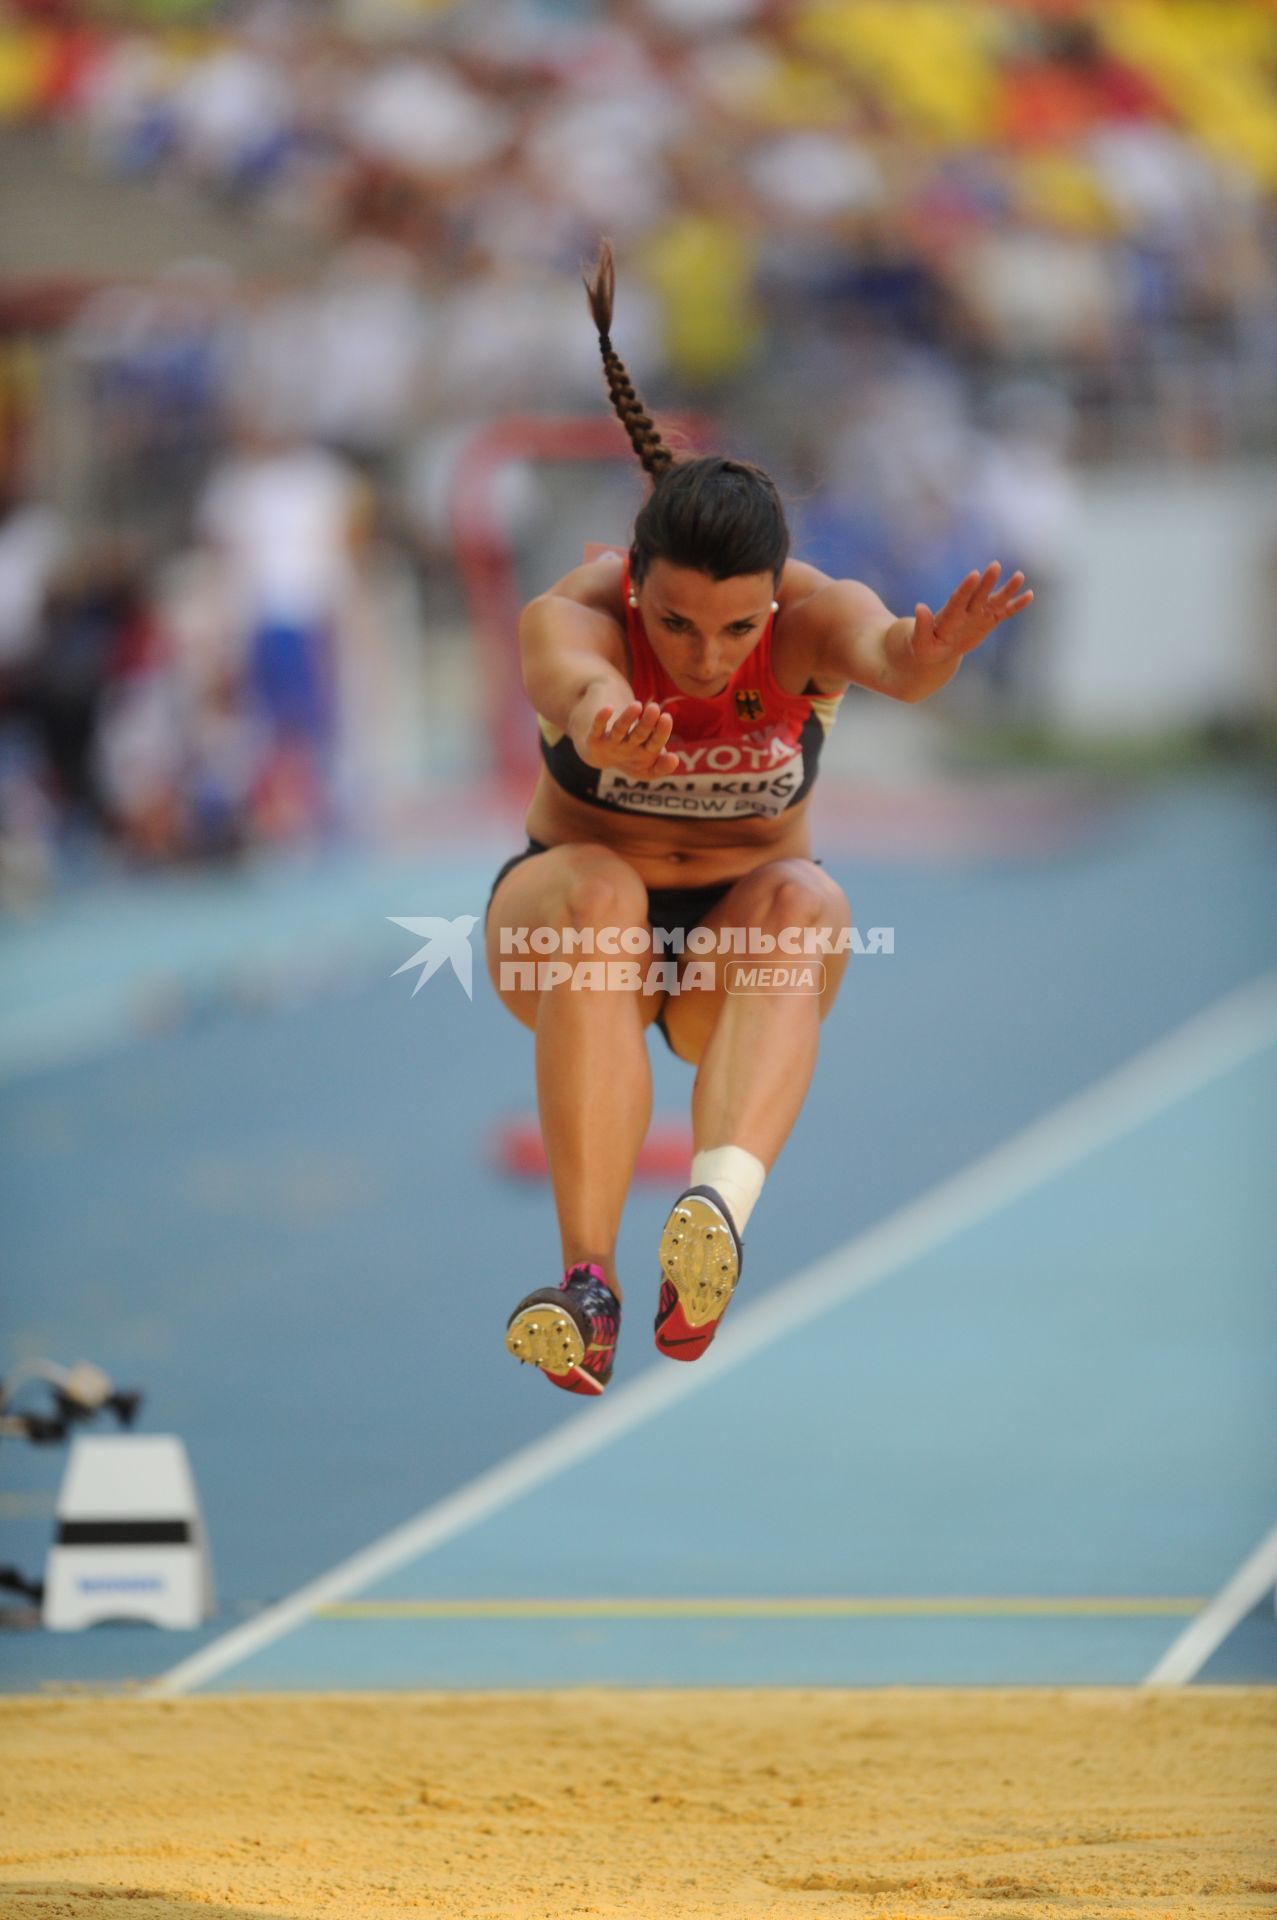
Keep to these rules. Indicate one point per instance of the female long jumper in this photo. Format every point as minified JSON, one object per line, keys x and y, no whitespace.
{"x":683,"y":693}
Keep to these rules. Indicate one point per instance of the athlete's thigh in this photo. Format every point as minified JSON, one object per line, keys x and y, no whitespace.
{"x":691,"y":1016}
{"x":535,"y":893}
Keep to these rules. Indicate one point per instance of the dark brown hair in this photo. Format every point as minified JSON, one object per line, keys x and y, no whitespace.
{"x":707,"y":513}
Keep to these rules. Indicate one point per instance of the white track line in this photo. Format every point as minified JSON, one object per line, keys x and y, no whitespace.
{"x":1188,"y":1654}
{"x":1221,"y":1037}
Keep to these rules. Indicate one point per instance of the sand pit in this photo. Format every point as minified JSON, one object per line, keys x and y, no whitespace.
{"x":669,"y":1805}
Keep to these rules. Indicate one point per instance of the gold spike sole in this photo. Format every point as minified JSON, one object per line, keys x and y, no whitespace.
{"x":698,"y":1258}
{"x":546,"y":1337}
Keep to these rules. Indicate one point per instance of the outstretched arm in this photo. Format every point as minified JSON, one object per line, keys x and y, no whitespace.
{"x":574,"y":674}
{"x":858,"y":642}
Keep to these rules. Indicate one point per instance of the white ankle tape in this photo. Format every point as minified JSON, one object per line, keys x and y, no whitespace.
{"x":734,"y":1173}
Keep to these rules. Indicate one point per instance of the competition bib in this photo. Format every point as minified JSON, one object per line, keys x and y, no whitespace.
{"x":714,"y":782}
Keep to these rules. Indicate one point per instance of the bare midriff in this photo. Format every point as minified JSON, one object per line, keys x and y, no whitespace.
{"x":662,"y":852}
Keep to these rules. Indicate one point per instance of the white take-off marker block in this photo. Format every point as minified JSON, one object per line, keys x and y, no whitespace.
{"x":130,"y":1541}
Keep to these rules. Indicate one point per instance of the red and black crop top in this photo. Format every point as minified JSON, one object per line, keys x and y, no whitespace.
{"x":752,"y":750}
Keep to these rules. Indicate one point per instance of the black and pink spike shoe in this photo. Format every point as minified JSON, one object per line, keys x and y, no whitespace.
{"x":569,"y":1331}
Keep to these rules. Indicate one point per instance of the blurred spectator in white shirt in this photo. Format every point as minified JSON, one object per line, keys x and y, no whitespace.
{"x":33,"y":546}
{"x":234,"y":116}
{"x":284,"y":518}
{"x":370,"y":328}
{"x":422,"y":116}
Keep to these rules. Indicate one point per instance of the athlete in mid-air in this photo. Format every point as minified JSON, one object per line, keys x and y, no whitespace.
{"x":683,"y":692}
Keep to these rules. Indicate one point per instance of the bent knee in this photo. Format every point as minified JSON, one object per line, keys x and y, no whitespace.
{"x":798,"y":893}
{"x":602,"y":890}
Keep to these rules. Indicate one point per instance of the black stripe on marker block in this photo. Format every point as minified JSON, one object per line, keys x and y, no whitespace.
{"x":124,"y":1533}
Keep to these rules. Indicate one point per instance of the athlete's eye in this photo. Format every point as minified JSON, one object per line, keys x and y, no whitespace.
{"x":674,"y":624}
{"x":741,"y":627}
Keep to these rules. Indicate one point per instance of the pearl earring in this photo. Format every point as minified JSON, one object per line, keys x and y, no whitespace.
{"x":775,"y":606}
{"x":633,"y":599}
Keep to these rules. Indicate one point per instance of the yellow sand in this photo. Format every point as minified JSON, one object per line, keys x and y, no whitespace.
{"x":670,"y":1805}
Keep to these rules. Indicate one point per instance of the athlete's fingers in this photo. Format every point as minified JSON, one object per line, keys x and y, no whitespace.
{"x":959,"y":600}
{"x":648,"y":758}
{"x":599,"y":724}
{"x":924,"y":628}
{"x":1006,"y":592}
{"x":646,"y":761}
{"x":647,"y":753}
{"x":994,"y":616}
{"x":636,"y":722}
{"x":637,"y":737}
{"x":984,"y":586}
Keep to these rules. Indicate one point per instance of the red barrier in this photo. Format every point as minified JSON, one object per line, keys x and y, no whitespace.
{"x":518,"y":1150}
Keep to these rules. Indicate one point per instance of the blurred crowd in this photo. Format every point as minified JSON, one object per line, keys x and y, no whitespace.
{"x":921,"y":257}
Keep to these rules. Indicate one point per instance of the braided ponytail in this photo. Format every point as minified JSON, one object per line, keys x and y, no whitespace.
{"x":707,"y":513}
{"x":654,"y":456}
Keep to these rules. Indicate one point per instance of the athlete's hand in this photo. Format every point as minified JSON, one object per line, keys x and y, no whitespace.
{"x":633,"y":740}
{"x":967,"y":617}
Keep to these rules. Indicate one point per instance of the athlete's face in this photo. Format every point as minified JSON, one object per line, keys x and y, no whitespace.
{"x":701,"y":629}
